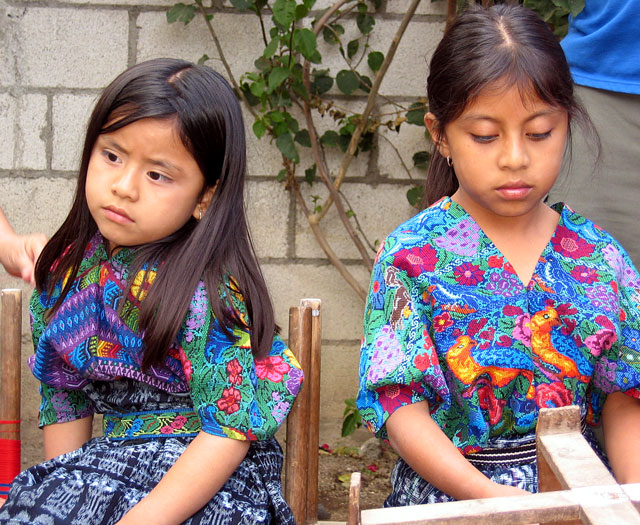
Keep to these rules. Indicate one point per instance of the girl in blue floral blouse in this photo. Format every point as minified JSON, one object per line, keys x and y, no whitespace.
{"x":490,"y":305}
{"x":151,"y":309}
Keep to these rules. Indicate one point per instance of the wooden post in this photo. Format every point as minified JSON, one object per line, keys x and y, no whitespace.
{"x":10,"y":355}
{"x":313,"y":383}
{"x":353,"y":516}
{"x":297,"y":452}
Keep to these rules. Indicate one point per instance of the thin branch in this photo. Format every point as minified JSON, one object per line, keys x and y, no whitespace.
{"x":406,"y":168}
{"x":223,"y":59}
{"x":371,"y":100}
{"x":358,"y":225}
{"x":331,"y":255}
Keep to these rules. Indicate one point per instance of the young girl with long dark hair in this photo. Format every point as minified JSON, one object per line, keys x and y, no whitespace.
{"x":151,"y":309}
{"x":490,"y":305}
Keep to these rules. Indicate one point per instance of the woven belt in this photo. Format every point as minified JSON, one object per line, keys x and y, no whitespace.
{"x":519,"y":455}
{"x":151,"y":424}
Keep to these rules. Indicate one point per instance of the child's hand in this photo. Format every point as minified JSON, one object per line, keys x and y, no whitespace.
{"x":495,"y":490}
{"x":19,"y":253}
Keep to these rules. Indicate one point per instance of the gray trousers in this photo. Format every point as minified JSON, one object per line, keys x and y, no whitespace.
{"x":607,"y":192}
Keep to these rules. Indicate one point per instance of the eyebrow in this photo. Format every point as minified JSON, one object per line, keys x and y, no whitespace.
{"x":110,"y":142}
{"x":541,"y":113}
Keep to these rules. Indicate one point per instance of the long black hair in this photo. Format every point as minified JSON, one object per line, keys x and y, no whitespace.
{"x":504,"y":43}
{"x":207,"y":115}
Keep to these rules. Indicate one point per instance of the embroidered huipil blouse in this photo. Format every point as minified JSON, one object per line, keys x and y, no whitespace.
{"x":94,"y":337}
{"x":448,"y":320}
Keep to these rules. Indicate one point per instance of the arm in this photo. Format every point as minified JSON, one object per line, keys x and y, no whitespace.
{"x":436,"y":459}
{"x":61,"y":438}
{"x":19,"y":253}
{"x":621,"y":428}
{"x":191,"y":482}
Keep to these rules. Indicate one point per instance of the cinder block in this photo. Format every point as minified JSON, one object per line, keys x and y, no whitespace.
{"x":72,"y":47}
{"x":8,"y":52}
{"x":342,"y":308}
{"x":36,"y":204}
{"x":426,"y":7}
{"x":239,"y":34}
{"x":7,"y":129}
{"x":70,"y":118}
{"x":32,"y":135}
{"x":398,"y":148}
{"x":267,"y":204}
{"x":379,"y":209}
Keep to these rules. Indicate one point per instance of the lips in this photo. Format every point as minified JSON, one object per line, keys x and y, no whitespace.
{"x":117,"y":215}
{"x":514,"y":190}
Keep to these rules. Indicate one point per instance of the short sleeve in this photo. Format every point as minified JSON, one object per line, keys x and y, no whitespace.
{"x":236,"y":396}
{"x":398,"y":362}
{"x":61,"y":405}
{"x":618,"y":367}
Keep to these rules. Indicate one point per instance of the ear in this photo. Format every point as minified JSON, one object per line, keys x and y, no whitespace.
{"x":437,"y":134}
{"x":204,"y":202}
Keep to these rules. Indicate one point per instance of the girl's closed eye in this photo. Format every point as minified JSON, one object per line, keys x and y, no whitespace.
{"x":483,"y":139}
{"x":540,"y":136}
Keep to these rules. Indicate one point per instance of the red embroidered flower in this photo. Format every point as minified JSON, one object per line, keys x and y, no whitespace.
{"x":569,"y":244}
{"x":230,"y":400}
{"x":495,"y":261}
{"x":550,"y":395}
{"x":424,"y":361}
{"x":488,"y":401}
{"x":234,"y":369}
{"x":468,"y":274}
{"x":584,"y":274}
{"x":273,"y":368}
{"x":416,"y":260}
{"x":442,"y":321}
{"x":475,"y":326}
{"x":511,"y":310}
{"x":178,"y":422}
{"x":186,"y":364}
{"x":392,"y":397}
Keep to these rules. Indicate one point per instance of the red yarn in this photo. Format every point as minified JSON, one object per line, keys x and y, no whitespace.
{"x":9,"y":462}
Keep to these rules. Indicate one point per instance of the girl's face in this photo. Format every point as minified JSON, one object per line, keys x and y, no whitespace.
{"x":143,"y":184}
{"x":507,"y":153}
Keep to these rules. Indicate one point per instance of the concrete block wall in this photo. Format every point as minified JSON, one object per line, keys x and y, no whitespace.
{"x":56,"y":55}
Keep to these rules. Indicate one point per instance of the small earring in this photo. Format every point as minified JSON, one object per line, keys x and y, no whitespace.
{"x":200,"y":213}
{"x":449,"y":162}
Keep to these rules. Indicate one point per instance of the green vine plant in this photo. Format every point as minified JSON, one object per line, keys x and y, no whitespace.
{"x":291,"y":95}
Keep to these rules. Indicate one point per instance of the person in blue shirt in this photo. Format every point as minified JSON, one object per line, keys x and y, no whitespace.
{"x":603,"y":51}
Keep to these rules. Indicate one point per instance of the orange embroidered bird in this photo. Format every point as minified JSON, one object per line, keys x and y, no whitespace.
{"x":467,"y":369}
{"x":541,"y":324}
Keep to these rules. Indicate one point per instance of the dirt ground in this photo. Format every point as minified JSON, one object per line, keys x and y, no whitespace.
{"x":334,"y":471}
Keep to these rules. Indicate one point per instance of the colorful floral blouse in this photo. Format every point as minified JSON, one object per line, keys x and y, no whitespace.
{"x":448,"y":320}
{"x":87,"y":339}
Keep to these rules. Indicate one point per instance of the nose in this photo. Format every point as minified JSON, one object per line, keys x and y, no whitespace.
{"x":514,"y":154}
{"x":125,"y":184}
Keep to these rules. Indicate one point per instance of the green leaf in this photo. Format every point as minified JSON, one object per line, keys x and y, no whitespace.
{"x":347,"y":81}
{"x":331,"y":33}
{"x":310,"y":175}
{"x":270,"y":49}
{"x":350,"y":213}
{"x":352,"y":48}
{"x":321,"y":83}
{"x":415,"y":115}
{"x":348,"y":425}
{"x":276,"y":116}
{"x":257,"y":88}
{"x":421,"y":159}
{"x":242,"y":5}
{"x":284,"y":12}
{"x":301,"y":11}
{"x":277,"y":76}
{"x":203,"y":59}
{"x":365,"y":23}
{"x":181,"y":13}
{"x":287,"y":147}
{"x":291,"y":122}
{"x":330,"y":138}
{"x":415,"y":195}
{"x":365,"y":83}
{"x":282,"y":174}
{"x":375,"y":60}
{"x":305,"y":41}
{"x":261,"y":63}
{"x":303,"y":138}
{"x":259,"y":128}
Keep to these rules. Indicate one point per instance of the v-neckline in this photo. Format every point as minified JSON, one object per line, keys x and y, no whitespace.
{"x":559,"y":208}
